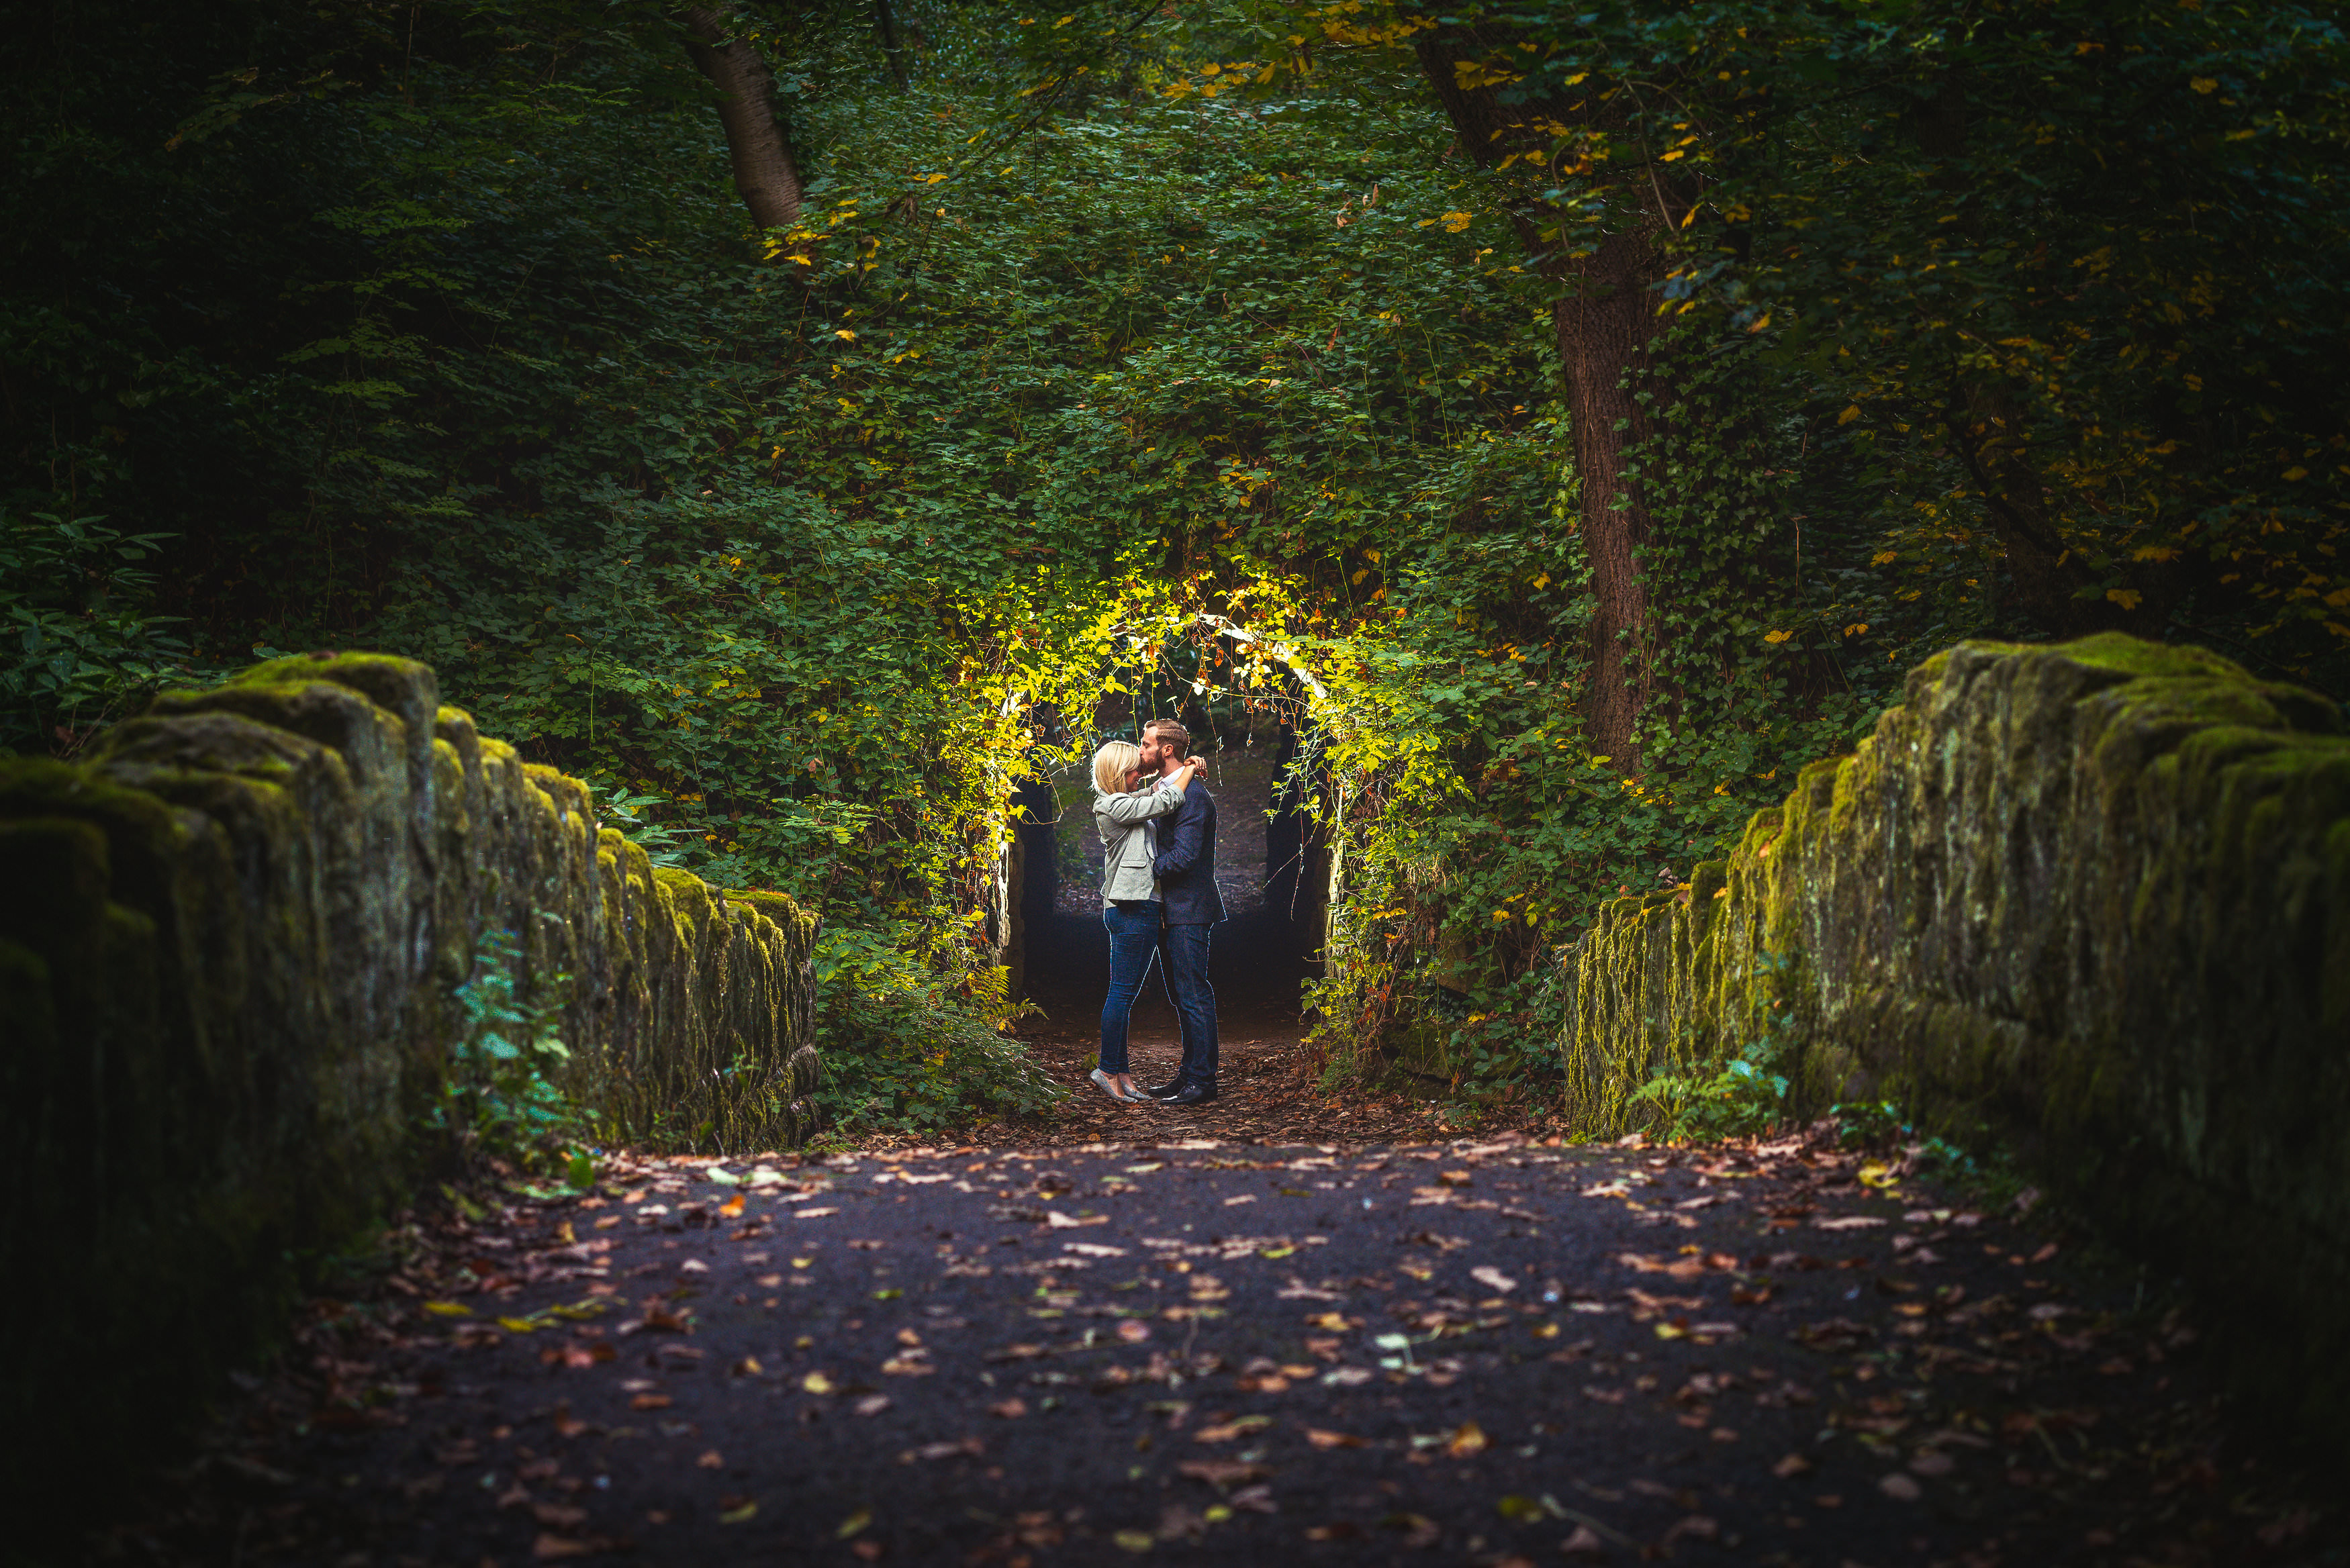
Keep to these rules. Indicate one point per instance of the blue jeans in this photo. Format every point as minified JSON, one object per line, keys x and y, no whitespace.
{"x":1133,"y":944}
{"x":1195,"y":1000}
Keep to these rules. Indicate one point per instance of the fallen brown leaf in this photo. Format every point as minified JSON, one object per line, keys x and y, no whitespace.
{"x":1222,"y":1472}
{"x":1696,"y":1527}
{"x":970,"y":1446}
{"x":1487,"y":1275}
{"x":1327,"y":1439}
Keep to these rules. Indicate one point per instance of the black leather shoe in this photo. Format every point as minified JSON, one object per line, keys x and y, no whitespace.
{"x":1192,"y":1094}
{"x":1165,"y":1091}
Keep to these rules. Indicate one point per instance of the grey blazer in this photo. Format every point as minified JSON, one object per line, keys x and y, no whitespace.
{"x":1128,"y":843}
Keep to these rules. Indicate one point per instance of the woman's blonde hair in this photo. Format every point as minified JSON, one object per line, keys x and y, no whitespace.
{"x":1112,"y":763}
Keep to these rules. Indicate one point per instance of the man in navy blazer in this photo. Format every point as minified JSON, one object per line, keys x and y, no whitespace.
{"x":1186,"y":868}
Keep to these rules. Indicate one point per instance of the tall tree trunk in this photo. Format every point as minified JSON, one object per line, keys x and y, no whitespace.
{"x":1606,"y":329}
{"x":1987,"y":432}
{"x":885,"y":22}
{"x":764,"y":172}
{"x":1606,"y":326}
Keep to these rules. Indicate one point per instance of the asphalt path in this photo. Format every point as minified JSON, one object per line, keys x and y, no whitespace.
{"x":1195,"y":1351}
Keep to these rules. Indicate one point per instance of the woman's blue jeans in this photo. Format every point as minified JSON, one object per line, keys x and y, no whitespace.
{"x":1133,"y":945}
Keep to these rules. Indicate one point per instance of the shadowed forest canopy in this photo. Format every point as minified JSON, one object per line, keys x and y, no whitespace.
{"x":804,"y":420}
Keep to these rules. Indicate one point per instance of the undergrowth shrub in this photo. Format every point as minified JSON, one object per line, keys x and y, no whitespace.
{"x":497,"y":1099}
{"x":1731,"y":1096}
{"x":80,"y":648}
{"x":910,"y":1034}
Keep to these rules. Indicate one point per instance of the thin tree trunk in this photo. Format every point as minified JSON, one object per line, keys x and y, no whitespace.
{"x":1607,"y":328}
{"x":885,"y":22}
{"x":1987,"y":429}
{"x":764,"y":172}
{"x":1987,"y":433}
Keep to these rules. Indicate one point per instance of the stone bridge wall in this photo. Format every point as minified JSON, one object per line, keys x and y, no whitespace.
{"x":229,"y":941}
{"x":2096,"y":896}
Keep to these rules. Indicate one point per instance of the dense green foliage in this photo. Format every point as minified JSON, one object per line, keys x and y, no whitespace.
{"x":83,"y":641}
{"x":2067,"y":274}
{"x":443,"y":331}
{"x":2006,"y":317}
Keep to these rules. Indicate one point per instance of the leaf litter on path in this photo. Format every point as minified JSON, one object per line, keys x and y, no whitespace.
{"x":1940,"y":1376}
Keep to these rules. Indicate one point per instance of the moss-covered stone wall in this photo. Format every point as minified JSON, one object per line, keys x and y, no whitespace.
{"x":229,"y":941}
{"x":2094,"y":895}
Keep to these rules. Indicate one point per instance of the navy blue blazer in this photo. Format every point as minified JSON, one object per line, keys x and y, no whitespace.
{"x":1186,"y":863}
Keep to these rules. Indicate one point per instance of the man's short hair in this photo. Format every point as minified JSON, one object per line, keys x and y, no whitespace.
{"x":1172,"y":734}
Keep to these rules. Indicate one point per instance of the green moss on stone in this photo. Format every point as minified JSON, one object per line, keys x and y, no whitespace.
{"x":226,"y":972}
{"x":2096,"y":894}
{"x":797,"y":925}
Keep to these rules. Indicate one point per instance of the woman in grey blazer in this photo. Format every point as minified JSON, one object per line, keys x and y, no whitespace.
{"x":1125,"y":817}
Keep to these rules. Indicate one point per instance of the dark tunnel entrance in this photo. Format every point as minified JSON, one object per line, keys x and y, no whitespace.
{"x":1271,"y":867}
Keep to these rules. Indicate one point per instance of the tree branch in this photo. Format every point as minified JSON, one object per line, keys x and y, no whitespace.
{"x":765,"y":173}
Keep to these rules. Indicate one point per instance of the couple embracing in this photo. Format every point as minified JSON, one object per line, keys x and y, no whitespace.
{"x":1157,"y":826}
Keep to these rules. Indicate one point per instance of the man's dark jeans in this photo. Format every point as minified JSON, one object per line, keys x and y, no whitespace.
{"x":1185,"y":949}
{"x":1133,"y":927}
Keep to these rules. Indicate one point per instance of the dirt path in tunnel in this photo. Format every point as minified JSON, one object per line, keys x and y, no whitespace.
{"x":1189,"y":1351}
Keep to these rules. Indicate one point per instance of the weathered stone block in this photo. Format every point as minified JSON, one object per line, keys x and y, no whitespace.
{"x":2096,"y":896}
{"x":226,"y":966}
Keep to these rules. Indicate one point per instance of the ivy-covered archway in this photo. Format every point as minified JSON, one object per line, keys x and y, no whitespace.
{"x":1249,"y":697}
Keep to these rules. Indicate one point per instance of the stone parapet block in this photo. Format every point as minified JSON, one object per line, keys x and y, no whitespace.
{"x":2094,"y":897}
{"x":228,"y":962}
